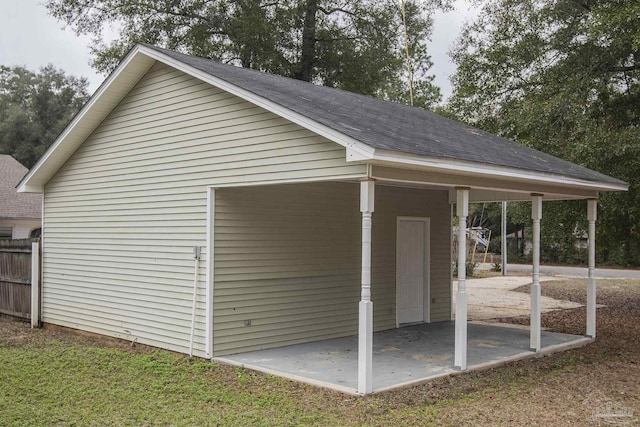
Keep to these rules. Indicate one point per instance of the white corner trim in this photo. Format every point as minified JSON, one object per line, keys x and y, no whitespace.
{"x":355,"y":155}
{"x":323,"y":130}
{"x":471,"y":168}
{"x":210,"y":271}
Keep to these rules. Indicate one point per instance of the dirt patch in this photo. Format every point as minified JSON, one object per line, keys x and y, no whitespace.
{"x":598,"y":384}
{"x":494,"y":297}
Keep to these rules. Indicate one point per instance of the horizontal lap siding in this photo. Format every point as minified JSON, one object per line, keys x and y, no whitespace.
{"x":123,"y":214}
{"x":288,"y":261}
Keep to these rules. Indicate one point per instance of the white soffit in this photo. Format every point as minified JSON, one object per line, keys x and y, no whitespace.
{"x":465,"y":168}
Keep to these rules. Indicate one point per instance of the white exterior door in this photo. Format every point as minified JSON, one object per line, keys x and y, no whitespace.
{"x":412,"y":270}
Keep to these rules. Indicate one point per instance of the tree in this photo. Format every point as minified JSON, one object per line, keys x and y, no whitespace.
{"x":352,"y":45}
{"x":34,"y":108}
{"x":563,"y":77}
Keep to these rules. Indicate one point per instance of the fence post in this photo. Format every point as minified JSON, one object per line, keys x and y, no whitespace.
{"x":35,"y":284}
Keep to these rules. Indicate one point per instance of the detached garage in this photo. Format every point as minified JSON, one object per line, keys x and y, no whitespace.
{"x":290,"y":209}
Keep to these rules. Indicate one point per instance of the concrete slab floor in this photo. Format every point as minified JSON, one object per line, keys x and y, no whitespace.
{"x":400,"y":356}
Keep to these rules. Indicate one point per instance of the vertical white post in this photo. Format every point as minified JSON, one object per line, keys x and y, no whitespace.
{"x":365,"y":322}
{"x":460,"y":349}
{"x":35,"y":284}
{"x":504,"y":239}
{"x":210,"y":271}
{"x":535,"y":329}
{"x":592,"y":213}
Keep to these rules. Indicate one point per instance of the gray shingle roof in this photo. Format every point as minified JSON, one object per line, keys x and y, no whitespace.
{"x":13,"y":204}
{"x":388,"y":125}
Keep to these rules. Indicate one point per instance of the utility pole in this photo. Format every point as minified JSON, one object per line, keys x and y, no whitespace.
{"x":406,"y":47}
{"x":504,"y":239}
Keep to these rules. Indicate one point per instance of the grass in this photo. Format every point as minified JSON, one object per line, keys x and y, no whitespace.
{"x":57,"y":377}
{"x":63,"y":382}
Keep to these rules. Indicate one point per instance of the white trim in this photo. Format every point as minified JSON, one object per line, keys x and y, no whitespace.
{"x":460,"y":344}
{"x":536,"y":299}
{"x":24,"y":186}
{"x":289,"y":181}
{"x":592,"y":216}
{"x":35,"y":284}
{"x":352,"y":144}
{"x":526,"y":194}
{"x":42,"y":253}
{"x":210,"y":269}
{"x":426,"y":315}
{"x":365,"y":307}
{"x":452,"y":291}
{"x":471,"y":168}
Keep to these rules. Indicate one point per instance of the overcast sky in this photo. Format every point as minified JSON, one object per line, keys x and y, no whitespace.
{"x":31,"y":38}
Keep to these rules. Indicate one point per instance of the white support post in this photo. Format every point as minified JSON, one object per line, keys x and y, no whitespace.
{"x":365,"y":322}
{"x":592,"y":213}
{"x":35,"y":284}
{"x":460,"y":349}
{"x":504,"y":239}
{"x":535,"y":328}
{"x":210,"y":270}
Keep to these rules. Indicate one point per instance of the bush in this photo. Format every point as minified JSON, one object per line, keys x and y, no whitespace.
{"x":471,"y":268}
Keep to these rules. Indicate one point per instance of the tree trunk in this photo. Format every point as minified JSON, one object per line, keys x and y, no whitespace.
{"x":305,"y":67}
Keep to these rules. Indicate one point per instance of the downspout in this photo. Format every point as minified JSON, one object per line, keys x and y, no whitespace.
{"x":196,"y":256}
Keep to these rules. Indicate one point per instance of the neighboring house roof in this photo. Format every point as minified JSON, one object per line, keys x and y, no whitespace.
{"x":16,"y":205}
{"x":372,"y":130}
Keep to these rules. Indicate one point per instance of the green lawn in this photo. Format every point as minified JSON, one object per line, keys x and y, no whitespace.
{"x":57,"y":377}
{"x":62,"y":382}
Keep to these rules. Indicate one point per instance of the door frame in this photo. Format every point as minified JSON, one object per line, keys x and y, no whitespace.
{"x":427,"y":266}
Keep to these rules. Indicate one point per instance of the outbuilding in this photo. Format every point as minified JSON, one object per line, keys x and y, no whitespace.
{"x":290,"y":209}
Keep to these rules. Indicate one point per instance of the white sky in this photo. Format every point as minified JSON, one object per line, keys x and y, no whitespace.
{"x":31,"y":38}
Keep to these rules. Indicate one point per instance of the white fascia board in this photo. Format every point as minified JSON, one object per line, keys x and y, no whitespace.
{"x":24,"y":188}
{"x":248,"y":183}
{"x":64,"y":146}
{"x":358,"y":150}
{"x":392,"y":158}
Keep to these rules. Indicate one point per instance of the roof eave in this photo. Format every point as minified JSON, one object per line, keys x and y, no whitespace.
{"x":132,"y":68}
{"x":397,"y":159}
{"x":62,"y":149}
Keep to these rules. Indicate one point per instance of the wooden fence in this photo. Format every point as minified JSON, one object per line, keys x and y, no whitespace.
{"x":15,"y":277}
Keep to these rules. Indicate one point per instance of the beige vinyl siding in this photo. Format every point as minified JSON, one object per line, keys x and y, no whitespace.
{"x":124,"y":212}
{"x":288,"y":261}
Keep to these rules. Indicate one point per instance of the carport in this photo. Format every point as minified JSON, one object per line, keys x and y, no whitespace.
{"x":310,"y":204}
